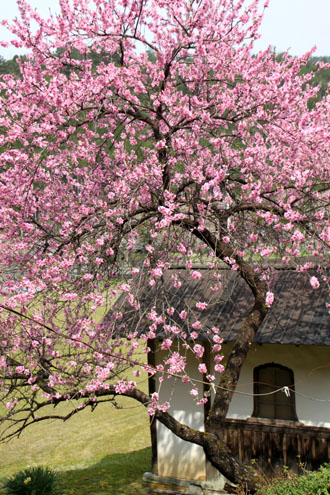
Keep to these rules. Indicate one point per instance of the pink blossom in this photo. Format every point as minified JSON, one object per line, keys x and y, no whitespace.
{"x":181,"y":248}
{"x":217,"y":339}
{"x":176,"y":362}
{"x":298,"y":236}
{"x":269,"y":299}
{"x":196,"y":275}
{"x":166,"y":344}
{"x":70,"y":296}
{"x":210,"y":378}
{"x":219,"y":368}
{"x":124,"y":287}
{"x":194,"y":392}
{"x":154,"y":397}
{"x":201,"y":305}
{"x":254,"y":237}
{"x":174,"y":329}
{"x":157,"y":272}
{"x":314,"y":282}
{"x":124,"y":386}
{"x":198,"y":350}
{"x":164,"y":407}
{"x":202,"y":368}
{"x":266,"y":252}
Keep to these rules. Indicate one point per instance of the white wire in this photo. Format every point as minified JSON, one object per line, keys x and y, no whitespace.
{"x":282,"y":389}
{"x":311,"y":398}
{"x":285,"y":390}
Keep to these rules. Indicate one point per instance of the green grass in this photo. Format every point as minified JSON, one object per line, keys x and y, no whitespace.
{"x":105,"y":451}
{"x":117,"y":474}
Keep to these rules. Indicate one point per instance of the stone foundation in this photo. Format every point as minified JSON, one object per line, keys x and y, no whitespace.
{"x":161,"y":485}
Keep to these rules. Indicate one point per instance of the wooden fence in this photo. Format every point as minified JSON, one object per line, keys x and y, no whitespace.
{"x":274,"y":443}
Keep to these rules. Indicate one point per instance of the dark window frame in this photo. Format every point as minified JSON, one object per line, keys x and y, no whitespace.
{"x":257,"y":400}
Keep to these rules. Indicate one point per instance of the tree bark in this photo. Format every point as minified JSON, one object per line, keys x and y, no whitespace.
{"x":216,"y":450}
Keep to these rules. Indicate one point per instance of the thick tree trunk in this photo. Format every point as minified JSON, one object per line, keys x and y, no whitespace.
{"x":216,"y":450}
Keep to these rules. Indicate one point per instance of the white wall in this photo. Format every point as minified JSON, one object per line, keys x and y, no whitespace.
{"x":177,"y":458}
{"x":311,"y":368}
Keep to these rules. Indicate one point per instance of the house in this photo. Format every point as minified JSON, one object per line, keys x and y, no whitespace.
{"x":280,"y":412}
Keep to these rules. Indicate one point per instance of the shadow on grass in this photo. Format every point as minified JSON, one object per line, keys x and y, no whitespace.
{"x":117,"y":474}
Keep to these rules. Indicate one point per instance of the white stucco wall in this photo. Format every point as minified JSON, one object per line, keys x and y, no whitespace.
{"x":177,"y":458}
{"x":311,"y":367}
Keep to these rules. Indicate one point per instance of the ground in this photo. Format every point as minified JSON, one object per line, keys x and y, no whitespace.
{"x":103,"y":452}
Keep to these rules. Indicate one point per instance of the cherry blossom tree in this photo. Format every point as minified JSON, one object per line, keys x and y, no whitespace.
{"x":179,"y":144}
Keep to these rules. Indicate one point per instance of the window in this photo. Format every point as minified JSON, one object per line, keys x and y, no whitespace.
{"x":270,"y":377}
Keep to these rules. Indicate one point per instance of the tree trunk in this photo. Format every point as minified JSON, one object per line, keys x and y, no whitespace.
{"x":216,"y":450}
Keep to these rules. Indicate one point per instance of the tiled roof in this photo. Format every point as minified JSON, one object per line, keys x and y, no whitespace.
{"x":298,"y":315}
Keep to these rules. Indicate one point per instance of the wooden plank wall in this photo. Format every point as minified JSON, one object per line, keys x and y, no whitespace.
{"x":274,"y":444}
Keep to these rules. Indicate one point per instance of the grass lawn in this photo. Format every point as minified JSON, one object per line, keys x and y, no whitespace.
{"x":117,"y":474}
{"x":100,"y":452}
